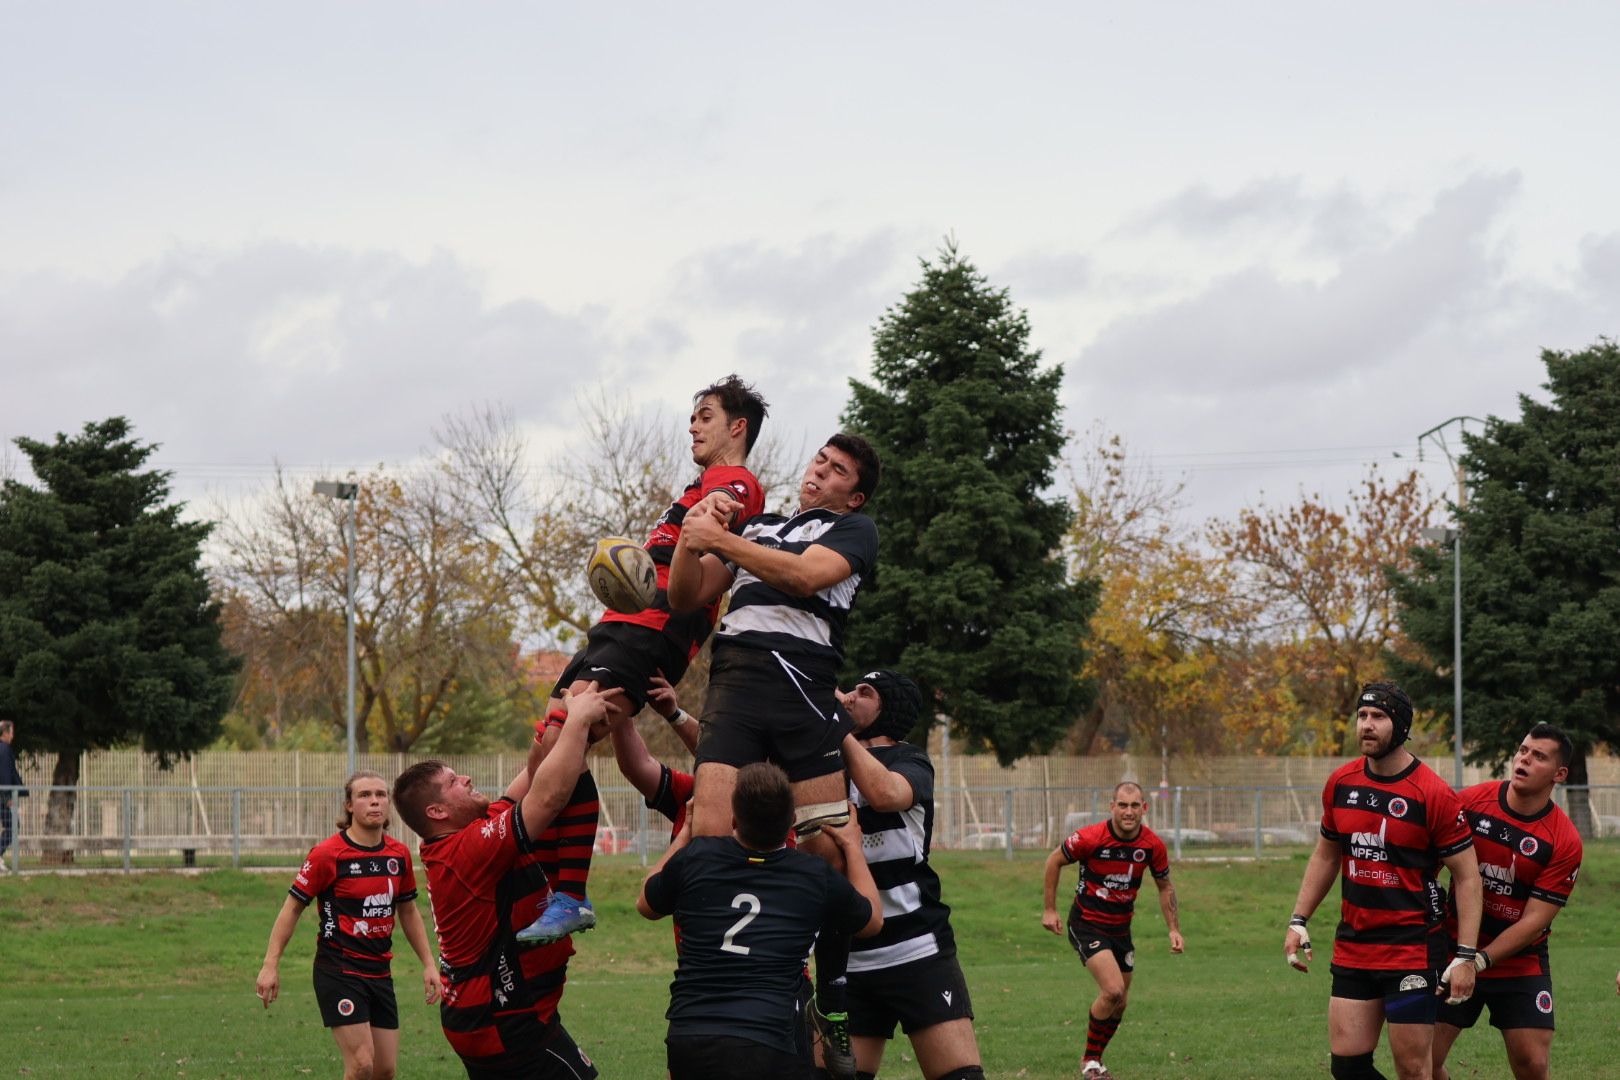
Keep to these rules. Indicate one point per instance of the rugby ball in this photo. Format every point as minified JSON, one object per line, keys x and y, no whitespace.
{"x":622,"y":575}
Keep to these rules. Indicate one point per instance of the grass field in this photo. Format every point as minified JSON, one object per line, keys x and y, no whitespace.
{"x":151,"y":975}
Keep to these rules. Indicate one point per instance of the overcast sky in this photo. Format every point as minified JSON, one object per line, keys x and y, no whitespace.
{"x":1268,"y":243}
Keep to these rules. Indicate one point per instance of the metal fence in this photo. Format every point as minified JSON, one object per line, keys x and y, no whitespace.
{"x":177,"y":826}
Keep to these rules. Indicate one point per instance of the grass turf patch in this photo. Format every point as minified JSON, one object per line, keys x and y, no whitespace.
{"x":151,"y":975}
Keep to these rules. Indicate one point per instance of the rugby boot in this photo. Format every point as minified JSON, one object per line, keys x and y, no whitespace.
{"x":563,"y":915}
{"x":1092,"y":1069}
{"x":836,"y":1056}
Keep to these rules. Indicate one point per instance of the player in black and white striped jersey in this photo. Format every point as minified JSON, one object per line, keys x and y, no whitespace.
{"x":773,"y":678}
{"x":907,"y":974}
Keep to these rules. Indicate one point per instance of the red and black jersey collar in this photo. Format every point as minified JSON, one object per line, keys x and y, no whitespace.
{"x":1502,"y":801}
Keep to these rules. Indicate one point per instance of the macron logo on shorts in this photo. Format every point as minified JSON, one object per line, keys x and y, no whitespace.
{"x":946,"y":994}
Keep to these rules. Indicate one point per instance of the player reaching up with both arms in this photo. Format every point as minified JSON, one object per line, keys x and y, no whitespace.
{"x":1388,"y":823}
{"x":1114,"y":856}
{"x":631,"y":651}
{"x":908,"y":974}
{"x":1529,"y":855}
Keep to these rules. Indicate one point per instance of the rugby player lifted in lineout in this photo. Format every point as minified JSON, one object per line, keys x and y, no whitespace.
{"x":630,"y":651}
{"x":773,"y":678}
{"x":1388,"y":822}
{"x":1529,"y":855}
{"x":1114,"y":856}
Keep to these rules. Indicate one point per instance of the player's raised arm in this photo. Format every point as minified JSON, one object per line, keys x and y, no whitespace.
{"x":656,"y":898}
{"x":798,"y":574}
{"x":555,"y":778}
{"x":697,"y":577}
{"x":848,"y":838}
{"x":1320,"y":871}
{"x":884,"y":789}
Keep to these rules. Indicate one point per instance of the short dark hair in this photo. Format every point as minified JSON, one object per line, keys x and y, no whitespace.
{"x":737,"y":398}
{"x":762,"y":803}
{"x":414,"y":789}
{"x":1566,"y":748}
{"x":5,"y":727}
{"x":867,"y":465}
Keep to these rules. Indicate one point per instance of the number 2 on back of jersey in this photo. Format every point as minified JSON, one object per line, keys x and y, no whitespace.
{"x":741,"y":900}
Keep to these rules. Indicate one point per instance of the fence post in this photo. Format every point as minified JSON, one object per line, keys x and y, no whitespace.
{"x":129,"y":812}
{"x":641,"y":829}
{"x":1176,"y":817}
{"x":1009,"y":822}
{"x":236,"y":828}
{"x":1257,"y":820}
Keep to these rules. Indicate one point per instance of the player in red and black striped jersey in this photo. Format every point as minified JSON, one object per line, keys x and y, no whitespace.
{"x":361,"y":881}
{"x":1388,"y":823}
{"x":631,"y":651}
{"x":488,"y":877}
{"x":1529,"y":855}
{"x":1114,"y":856}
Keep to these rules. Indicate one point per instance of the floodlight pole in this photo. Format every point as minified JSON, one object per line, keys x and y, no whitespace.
{"x":351,"y":493}
{"x":1437,"y":436}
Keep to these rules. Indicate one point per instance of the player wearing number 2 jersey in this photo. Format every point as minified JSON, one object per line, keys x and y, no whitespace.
{"x":749,"y":909}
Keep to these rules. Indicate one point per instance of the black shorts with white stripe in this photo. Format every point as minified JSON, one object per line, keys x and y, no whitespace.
{"x":764,"y":706}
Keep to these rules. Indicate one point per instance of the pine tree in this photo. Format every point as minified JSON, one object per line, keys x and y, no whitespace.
{"x":1541,"y":574}
{"x":971,"y":597}
{"x":108,"y":633}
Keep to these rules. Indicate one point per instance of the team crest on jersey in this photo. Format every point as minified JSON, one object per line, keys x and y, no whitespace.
{"x":1544,"y":1002}
{"x":1528,"y":847}
{"x":1414,"y":982}
{"x":393,"y":866}
{"x":346,"y":1007}
{"x":1398,"y":807}
{"x":1138,"y":855}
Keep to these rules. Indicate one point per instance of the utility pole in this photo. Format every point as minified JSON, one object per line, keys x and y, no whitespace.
{"x":1453,"y":536}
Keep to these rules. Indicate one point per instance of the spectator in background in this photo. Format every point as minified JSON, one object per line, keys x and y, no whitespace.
{"x":10,"y":779}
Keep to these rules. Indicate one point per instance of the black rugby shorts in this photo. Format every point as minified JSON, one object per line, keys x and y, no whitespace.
{"x":1089,"y":941}
{"x":915,"y":995}
{"x":762,"y":706}
{"x":350,"y":999}
{"x":626,"y":656}
{"x":554,"y":1056}
{"x":1524,"y":1001}
{"x":727,"y":1057}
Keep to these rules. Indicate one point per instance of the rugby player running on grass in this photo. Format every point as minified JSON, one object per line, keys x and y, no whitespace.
{"x":1114,"y":856}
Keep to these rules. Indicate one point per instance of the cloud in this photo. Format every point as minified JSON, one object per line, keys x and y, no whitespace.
{"x":304,"y":354}
{"x":801,"y":316}
{"x":1256,"y":328}
{"x":1434,"y":322}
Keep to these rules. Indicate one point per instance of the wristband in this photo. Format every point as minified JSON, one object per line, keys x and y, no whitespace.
{"x":678,"y":719}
